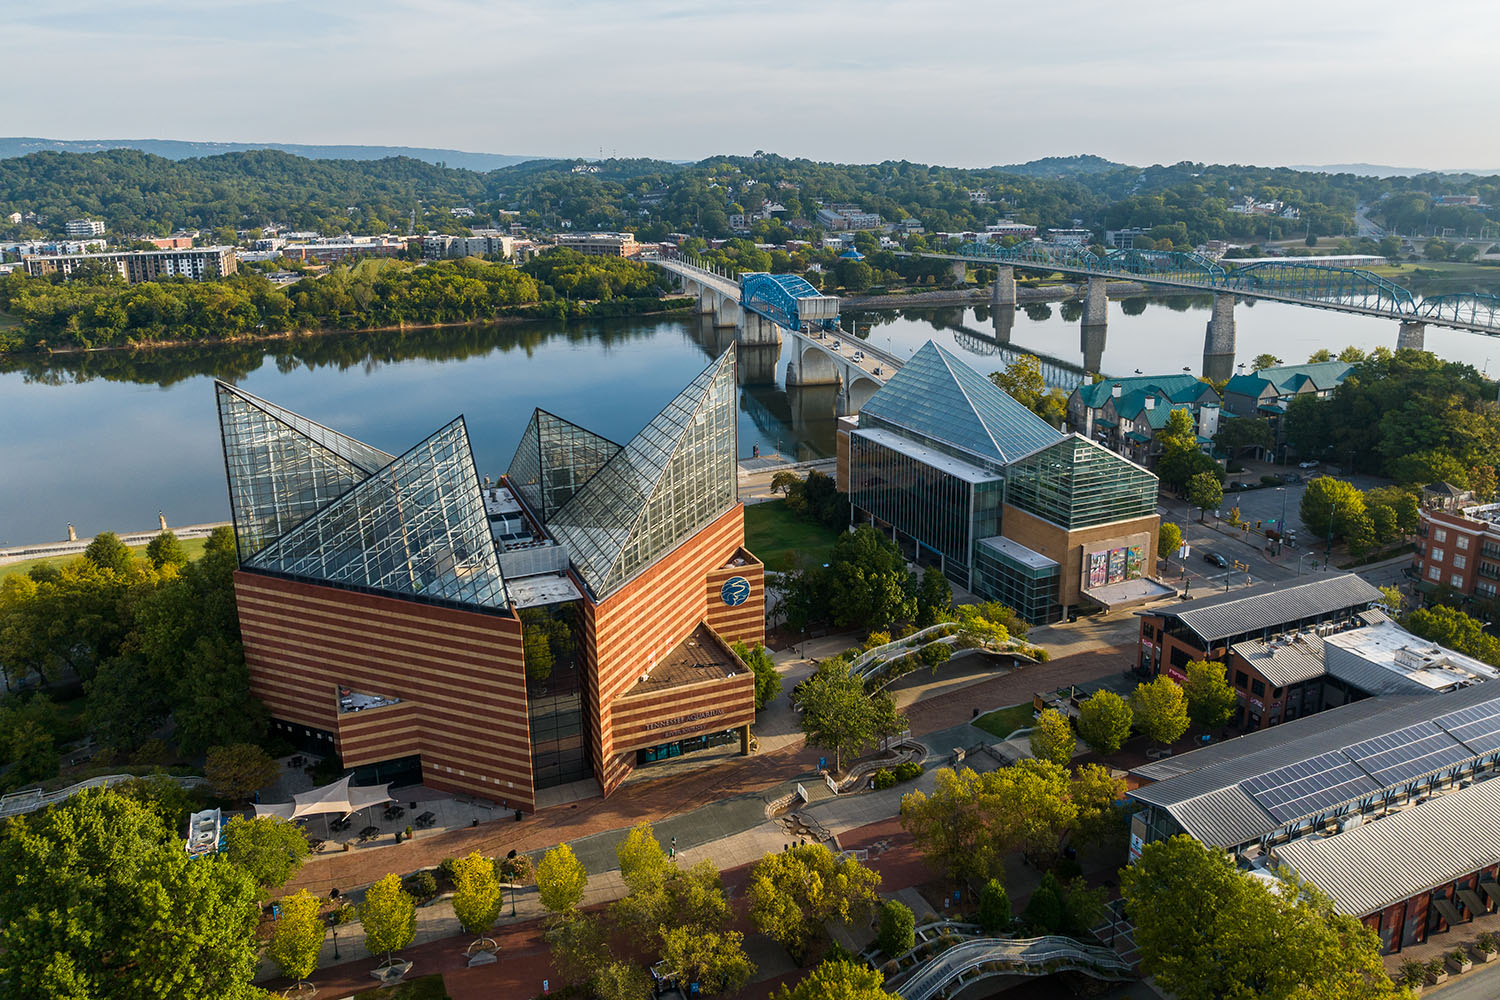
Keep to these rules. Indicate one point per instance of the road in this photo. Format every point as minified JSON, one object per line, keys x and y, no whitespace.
{"x":1481,"y":984}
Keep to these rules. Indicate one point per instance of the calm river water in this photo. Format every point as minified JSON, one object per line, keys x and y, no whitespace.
{"x":107,"y":441}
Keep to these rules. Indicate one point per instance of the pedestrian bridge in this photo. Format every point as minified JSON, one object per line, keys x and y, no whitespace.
{"x":986,"y":958}
{"x":785,"y":309}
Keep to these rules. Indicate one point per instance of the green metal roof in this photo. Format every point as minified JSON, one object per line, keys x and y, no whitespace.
{"x":1179,"y":388}
{"x":938,"y":396}
{"x":1290,"y":378}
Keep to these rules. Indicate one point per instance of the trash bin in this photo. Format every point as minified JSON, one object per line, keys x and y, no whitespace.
{"x":518,"y":815}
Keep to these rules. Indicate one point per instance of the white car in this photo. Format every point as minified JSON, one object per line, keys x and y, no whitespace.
{"x":1309,"y":464}
{"x":859,"y":355}
{"x":837,"y":345}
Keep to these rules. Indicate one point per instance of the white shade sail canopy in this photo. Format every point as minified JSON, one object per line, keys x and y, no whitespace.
{"x":338,"y":797}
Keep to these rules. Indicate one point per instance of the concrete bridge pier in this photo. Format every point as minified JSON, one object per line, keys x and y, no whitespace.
{"x":811,"y":366}
{"x":960,"y":272}
{"x":1218,"y":340}
{"x":1003,"y":291}
{"x":728,"y":312}
{"x":1413,"y":336}
{"x":708,"y":301}
{"x":1091,"y":343}
{"x":755,"y":364}
{"x":756,"y":329}
{"x":1004,"y":318}
{"x":1095,"y":303}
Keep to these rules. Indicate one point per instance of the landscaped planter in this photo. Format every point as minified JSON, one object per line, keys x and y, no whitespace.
{"x":1460,"y":965}
{"x":1486,"y":957}
{"x":1437,"y":978}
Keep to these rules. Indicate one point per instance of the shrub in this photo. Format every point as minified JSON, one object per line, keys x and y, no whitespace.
{"x":1270,"y":480}
{"x":445,"y":869}
{"x":908,"y":770}
{"x":1458,"y":956}
{"x":346,"y":913}
{"x":1434,"y":967}
{"x":994,"y":907}
{"x":1485,"y":943}
{"x":884,"y":779}
{"x":1413,"y":973}
{"x":897,"y":928}
{"x":422,"y":885}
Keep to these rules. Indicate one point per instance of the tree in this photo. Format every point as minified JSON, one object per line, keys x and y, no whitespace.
{"x":101,"y":900}
{"x":107,"y":552}
{"x":1160,"y":709}
{"x":994,"y":907}
{"x":1045,"y":911}
{"x":1329,"y":503}
{"x":1052,"y":737}
{"x":1211,"y":702}
{"x":1351,"y":354}
{"x":560,"y":880}
{"x":837,"y":980}
{"x":166,"y":550}
{"x":1452,"y":628}
{"x":793,"y":893}
{"x":838,"y":715}
{"x":783,"y":482}
{"x":578,"y":946}
{"x":477,"y":896}
{"x":125,"y":703}
{"x":1104,"y":721}
{"x":236,"y":771}
{"x":767,"y":679}
{"x":897,"y":928}
{"x":1202,"y":927}
{"x":389,"y":917}
{"x":1022,"y":380}
{"x":622,"y":981}
{"x":1321,"y":354}
{"x":1235,"y":436}
{"x":1205,"y":491}
{"x":934,"y":597}
{"x":715,"y":960}
{"x":297,"y":937}
{"x":1168,"y":539}
{"x":1262,"y":361}
{"x":867,"y":585}
{"x":1390,"y":596}
{"x":1483,"y":482}
{"x":268,"y":847}
{"x":163,"y":795}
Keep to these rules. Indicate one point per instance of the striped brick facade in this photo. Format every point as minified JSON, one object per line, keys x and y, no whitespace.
{"x":459,"y":675}
{"x":629,"y":631}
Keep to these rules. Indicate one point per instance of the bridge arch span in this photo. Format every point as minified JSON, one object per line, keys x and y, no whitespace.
{"x":861,"y":388}
{"x":815,"y":366}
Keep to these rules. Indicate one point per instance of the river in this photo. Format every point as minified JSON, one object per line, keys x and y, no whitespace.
{"x":106,"y":440}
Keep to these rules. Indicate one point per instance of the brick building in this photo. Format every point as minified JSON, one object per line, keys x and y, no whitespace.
{"x":570,"y":621}
{"x":136,"y":266}
{"x":1458,"y":543}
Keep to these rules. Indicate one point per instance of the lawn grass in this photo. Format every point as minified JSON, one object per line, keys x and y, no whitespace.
{"x":1004,"y":721}
{"x":421,"y":988}
{"x":779,"y":538}
{"x":193,"y":546}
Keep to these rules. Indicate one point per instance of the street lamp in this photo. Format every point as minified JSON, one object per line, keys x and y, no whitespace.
{"x":511,"y":857}
{"x":334,"y":895}
{"x":1333,"y":509}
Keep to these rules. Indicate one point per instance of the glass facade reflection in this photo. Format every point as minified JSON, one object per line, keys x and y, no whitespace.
{"x":560,"y":751}
{"x":417,"y":527}
{"x":283,"y":468}
{"x":673,"y":477}
{"x":554,"y":460}
{"x":1078,"y":484}
{"x":1022,"y":580}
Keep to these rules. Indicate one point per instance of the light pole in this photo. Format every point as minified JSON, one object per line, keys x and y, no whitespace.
{"x":1333,"y":509}
{"x":334,"y":895}
{"x":511,"y":857}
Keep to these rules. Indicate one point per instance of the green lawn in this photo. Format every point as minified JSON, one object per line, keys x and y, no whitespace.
{"x":780,"y":538}
{"x":1004,"y":721}
{"x":194,"y":547}
{"x":421,"y":988}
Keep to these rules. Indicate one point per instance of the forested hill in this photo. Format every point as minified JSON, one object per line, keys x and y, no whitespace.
{"x":1183,"y":204}
{"x":177,"y":149}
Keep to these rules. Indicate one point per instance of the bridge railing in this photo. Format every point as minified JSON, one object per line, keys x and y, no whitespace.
{"x":693,"y":260}
{"x":1050,"y":952}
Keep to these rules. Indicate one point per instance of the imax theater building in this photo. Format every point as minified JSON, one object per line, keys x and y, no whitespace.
{"x":569,"y":621}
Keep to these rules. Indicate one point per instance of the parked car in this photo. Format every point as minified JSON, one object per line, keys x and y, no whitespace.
{"x":1311,"y":463}
{"x":1291,"y":477}
{"x":1236,"y":485}
{"x":1216,"y":559}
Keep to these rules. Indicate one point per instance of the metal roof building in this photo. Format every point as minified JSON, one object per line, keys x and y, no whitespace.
{"x":1269,"y":607}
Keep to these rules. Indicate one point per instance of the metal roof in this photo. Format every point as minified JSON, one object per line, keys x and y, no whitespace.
{"x":1286,"y":660}
{"x":1197,"y":795}
{"x":1395,"y":857}
{"x":1270,"y":606}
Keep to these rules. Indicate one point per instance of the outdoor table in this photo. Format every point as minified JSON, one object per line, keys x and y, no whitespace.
{"x":369,"y":832}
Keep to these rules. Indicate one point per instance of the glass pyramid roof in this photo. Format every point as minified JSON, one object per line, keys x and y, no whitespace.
{"x":941,"y":398}
{"x":282,"y":467}
{"x":416,"y":527}
{"x":554,"y":460}
{"x":672,"y":478}
{"x":1077,"y":483}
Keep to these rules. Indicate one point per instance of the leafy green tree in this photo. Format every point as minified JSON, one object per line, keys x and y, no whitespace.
{"x":33,"y":752}
{"x":166,"y":550}
{"x":792,"y":894}
{"x":1159,"y":709}
{"x":767,"y":679}
{"x":560,"y":880}
{"x":477,"y":895}
{"x":1419,"y":468}
{"x":1168,"y":539}
{"x":1262,"y":361}
{"x":994,"y":907}
{"x":715,"y":960}
{"x":1452,"y":628}
{"x":1211,"y":701}
{"x":236,"y":771}
{"x":106,"y":551}
{"x":578,"y":946}
{"x":897,"y":928}
{"x":125,"y":705}
{"x":1206,"y":491}
{"x":1329,"y":502}
{"x":1044,"y":912}
{"x":837,"y":979}
{"x":389,"y":916}
{"x":1352,"y":355}
{"x":838,"y":715}
{"x":101,"y":900}
{"x":1202,"y":925}
{"x":163,"y":795}
{"x":622,"y":981}
{"x":1104,"y":721}
{"x":1321,"y":354}
{"x":1022,"y":380}
{"x":934,"y":597}
{"x":1242,"y":434}
{"x":297,"y":937}
{"x":867,"y":582}
{"x":1052,"y":737}
{"x":268,"y":847}
{"x":1482,"y":482}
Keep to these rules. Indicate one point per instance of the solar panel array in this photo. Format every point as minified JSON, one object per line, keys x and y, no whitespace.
{"x":1407,"y":753}
{"x":1309,"y":786}
{"x":1477,"y":727}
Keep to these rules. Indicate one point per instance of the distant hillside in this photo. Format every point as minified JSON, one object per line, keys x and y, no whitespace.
{"x":1380,"y":170}
{"x":1064,"y":166}
{"x":174,"y":149}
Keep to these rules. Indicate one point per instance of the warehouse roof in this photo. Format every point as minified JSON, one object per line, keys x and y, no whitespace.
{"x":1398,"y":856}
{"x":1270,"y":607}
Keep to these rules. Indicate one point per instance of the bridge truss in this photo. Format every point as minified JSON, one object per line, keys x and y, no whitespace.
{"x":788,"y":301}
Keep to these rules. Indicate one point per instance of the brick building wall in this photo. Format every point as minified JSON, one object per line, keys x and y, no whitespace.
{"x":1068,"y":547}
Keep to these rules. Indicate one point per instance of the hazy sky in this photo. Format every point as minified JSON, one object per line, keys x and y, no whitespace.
{"x":968,"y":84}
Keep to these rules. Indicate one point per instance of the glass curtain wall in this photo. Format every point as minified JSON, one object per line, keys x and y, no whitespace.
{"x":1078,"y":484}
{"x":1030,"y":590}
{"x":560,"y":750}
{"x":554,"y":460}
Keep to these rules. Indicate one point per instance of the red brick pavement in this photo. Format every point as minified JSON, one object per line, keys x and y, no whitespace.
{"x":1017,"y":686}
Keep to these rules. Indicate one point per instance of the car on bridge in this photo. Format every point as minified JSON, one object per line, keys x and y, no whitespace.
{"x":859,"y":355}
{"x":837,"y":345}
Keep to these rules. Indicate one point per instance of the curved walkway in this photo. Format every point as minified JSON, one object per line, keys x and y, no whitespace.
{"x":974,"y":960}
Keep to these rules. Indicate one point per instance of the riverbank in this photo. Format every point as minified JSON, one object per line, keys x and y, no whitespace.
{"x":980,"y":296}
